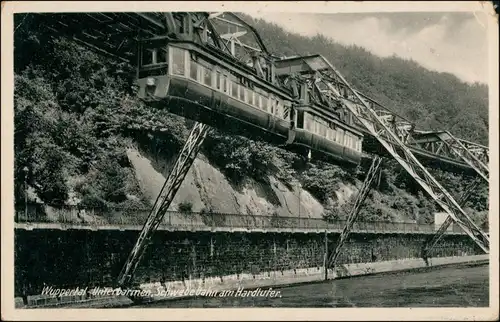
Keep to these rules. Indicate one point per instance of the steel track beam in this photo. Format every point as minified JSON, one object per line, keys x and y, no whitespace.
{"x":172,"y":184}
{"x":380,"y":128}
{"x":353,"y":214}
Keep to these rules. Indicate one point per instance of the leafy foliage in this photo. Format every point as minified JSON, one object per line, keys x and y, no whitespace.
{"x":186,"y":206}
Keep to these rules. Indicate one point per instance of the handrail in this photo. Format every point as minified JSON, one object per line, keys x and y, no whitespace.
{"x":40,"y":213}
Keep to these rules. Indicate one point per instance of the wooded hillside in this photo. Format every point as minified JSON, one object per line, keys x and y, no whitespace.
{"x":76,"y":112}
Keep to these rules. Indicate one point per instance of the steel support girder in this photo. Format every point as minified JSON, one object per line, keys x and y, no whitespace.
{"x":480,"y":151}
{"x":465,"y":154}
{"x":392,"y":143}
{"x":432,"y":241}
{"x":353,"y":214}
{"x":172,"y":184}
{"x":443,"y":143}
{"x":224,"y":21}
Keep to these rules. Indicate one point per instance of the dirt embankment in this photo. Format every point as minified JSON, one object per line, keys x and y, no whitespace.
{"x":205,"y":188}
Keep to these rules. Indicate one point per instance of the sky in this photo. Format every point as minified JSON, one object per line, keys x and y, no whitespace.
{"x":454,"y":42}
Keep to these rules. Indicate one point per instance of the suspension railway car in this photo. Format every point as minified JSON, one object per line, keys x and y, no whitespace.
{"x":204,"y":85}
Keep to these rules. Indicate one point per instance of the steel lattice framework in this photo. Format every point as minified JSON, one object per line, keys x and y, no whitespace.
{"x":362,"y":194}
{"x":444,"y":143}
{"x":117,"y":34}
{"x":391,"y":135}
{"x":181,"y":167}
{"x":432,"y":241}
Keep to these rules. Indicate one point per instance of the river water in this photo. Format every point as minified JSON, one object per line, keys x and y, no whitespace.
{"x":456,"y":286}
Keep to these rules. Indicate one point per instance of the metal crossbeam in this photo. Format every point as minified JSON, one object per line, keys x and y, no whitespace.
{"x":432,"y":241}
{"x":391,"y":141}
{"x":172,"y":184}
{"x":363,"y":193}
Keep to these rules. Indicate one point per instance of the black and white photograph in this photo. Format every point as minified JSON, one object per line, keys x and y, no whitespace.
{"x":253,"y":155}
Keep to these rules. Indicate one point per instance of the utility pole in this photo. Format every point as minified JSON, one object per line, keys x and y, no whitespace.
{"x":325,"y":265}
{"x":300,"y":188}
{"x":25,"y":170}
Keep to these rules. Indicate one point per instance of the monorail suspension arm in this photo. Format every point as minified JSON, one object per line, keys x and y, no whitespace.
{"x":363,"y":193}
{"x":432,"y":241}
{"x":172,"y":184}
{"x":381,"y":130}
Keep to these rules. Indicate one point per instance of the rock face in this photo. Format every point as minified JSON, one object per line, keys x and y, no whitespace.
{"x":207,"y":189}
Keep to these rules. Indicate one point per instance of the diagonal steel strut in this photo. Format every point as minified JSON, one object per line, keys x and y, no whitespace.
{"x":381,"y":130}
{"x":432,"y":241}
{"x":175,"y":178}
{"x":468,"y":156}
{"x":363,"y":193}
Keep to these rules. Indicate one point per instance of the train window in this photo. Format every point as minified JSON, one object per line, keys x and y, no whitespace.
{"x":340,"y":136}
{"x":218,"y":80}
{"x":242,"y":93}
{"x":199,"y":77}
{"x":193,"y":73}
{"x":178,"y":61}
{"x":286,"y":112}
{"x":248,"y":96}
{"x":161,"y":56}
{"x":234,"y":89}
{"x":264,"y":103}
{"x":154,"y":53}
{"x":252,"y":97}
{"x":147,"y":57}
{"x":309,"y":122}
{"x":214,"y":77}
{"x":280,"y":108}
{"x":322,"y":130}
{"x":300,"y":119}
{"x":207,"y":76}
{"x":224,"y":84}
